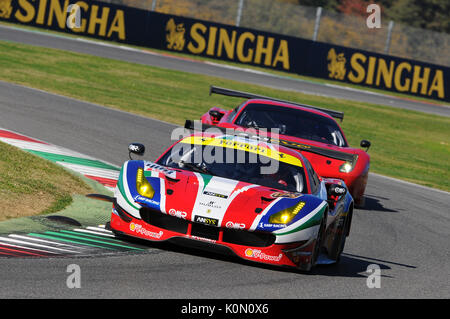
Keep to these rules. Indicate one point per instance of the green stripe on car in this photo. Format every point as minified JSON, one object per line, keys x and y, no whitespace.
{"x":313,"y":221}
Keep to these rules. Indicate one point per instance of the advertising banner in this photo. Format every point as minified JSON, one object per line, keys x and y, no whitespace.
{"x":134,"y":26}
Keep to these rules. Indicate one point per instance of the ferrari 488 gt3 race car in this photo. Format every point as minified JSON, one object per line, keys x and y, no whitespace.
{"x":307,"y":128}
{"x":234,"y":194}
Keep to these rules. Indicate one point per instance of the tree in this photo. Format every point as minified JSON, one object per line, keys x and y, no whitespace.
{"x":428,"y":14}
{"x":354,"y":7}
{"x":326,"y":4}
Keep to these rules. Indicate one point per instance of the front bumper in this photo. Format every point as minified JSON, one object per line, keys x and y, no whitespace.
{"x":251,"y":246}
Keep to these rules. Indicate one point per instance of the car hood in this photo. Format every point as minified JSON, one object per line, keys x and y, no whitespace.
{"x":211,"y":200}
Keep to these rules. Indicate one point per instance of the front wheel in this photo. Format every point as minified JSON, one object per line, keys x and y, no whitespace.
{"x":339,"y":243}
{"x":319,"y":242}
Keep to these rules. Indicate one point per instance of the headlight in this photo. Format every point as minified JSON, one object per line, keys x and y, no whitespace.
{"x":286,"y":215}
{"x":346,"y":168}
{"x":142,"y":185}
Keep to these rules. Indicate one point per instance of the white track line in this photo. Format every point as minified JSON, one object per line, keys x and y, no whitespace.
{"x":35,"y":245}
{"x":93,"y":232}
{"x":53,"y":149}
{"x":45,"y":241}
{"x":93,"y":171}
{"x":99,"y":229}
{"x":28,"y":248}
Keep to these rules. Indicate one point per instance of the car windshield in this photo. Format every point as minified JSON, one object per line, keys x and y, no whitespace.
{"x":236,"y":164}
{"x":292,"y":122}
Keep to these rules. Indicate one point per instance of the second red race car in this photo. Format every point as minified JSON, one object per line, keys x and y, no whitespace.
{"x":309,"y":129}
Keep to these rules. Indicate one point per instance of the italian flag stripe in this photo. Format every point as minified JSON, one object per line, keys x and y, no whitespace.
{"x":92,"y":168}
{"x":16,"y":136}
{"x":74,"y":160}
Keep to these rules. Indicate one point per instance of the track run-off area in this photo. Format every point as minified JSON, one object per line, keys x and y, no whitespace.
{"x":404,"y":228}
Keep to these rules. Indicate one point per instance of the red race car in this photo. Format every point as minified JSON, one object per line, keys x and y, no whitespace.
{"x":236,"y":195}
{"x":309,"y":129}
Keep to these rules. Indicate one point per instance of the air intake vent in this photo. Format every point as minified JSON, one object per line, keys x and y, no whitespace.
{"x":164,"y":221}
{"x":246,"y":238}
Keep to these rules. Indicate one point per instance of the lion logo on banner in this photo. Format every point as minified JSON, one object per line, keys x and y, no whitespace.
{"x":336,"y":67}
{"x":175,"y":35}
{"x":5,"y":9}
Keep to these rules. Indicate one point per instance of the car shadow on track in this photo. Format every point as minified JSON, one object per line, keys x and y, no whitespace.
{"x":350,"y":265}
{"x":356,"y":266}
{"x":376,"y":203}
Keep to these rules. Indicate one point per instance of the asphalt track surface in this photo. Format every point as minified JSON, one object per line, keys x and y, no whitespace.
{"x":404,"y":229}
{"x":101,"y":49}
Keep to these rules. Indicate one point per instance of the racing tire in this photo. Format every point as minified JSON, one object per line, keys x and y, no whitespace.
{"x":360,"y":202}
{"x":319,"y":242}
{"x":339,"y":244}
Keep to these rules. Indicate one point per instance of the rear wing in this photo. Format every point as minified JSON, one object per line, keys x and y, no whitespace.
{"x":246,"y":95}
{"x":342,"y":156}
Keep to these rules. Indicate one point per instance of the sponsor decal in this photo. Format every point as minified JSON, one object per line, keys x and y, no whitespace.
{"x":211,"y":204}
{"x":177,"y":213}
{"x":5,"y":9}
{"x":134,"y":148}
{"x":268,"y":225}
{"x":377,"y":71}
{"x":336,"y":67}
{"x":206,"y":220}
{"x":250,"y":147}
{"x":97,"y":19}
{"x":340,"y":190}
{"x":285,"y":195}
{"x":215,"y":194}
{"x":258,"y":254}
{"x":204,"y":239}
{"x":234,"y":225}
{"x":175,"y":35}
{"x":223,"y":42}
{"x":145,"y":200}
{"x":139,"y":229}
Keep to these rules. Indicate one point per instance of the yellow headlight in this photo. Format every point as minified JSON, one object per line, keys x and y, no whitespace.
{"x":286,"y":215}
{"x":142,"y":185}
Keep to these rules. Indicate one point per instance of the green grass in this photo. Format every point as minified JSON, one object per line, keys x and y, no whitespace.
{"x":30,"y":185}
{"x":235,"y":64}
{"x":405,"y":144}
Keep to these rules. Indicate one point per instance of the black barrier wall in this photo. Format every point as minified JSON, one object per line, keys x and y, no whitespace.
{"x":160,"y":31}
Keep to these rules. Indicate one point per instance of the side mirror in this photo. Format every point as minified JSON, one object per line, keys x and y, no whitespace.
{"x":336,"y":190}
{"x":215,"y":115}
{"x":136,"y":148}
{"x":366,"y":144}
